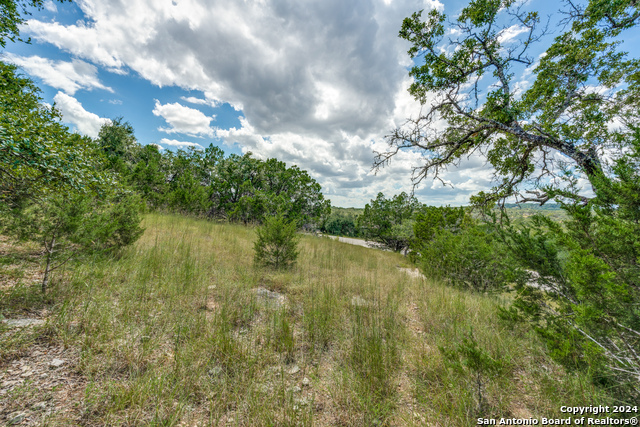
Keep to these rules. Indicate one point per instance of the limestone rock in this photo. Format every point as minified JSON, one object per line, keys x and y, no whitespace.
{"x":56,"y":363}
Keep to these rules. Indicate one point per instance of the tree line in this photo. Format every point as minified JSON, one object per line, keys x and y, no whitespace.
{"x":76,"y":195}
{"x":204,"y":182}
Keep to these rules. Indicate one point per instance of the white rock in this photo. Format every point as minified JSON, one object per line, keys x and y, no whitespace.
{"x":306,"y":382}
{"x":294,"y":370}
{"x":56,"y":363}
{"x":269,"y":298}
{"x":215,"y":371}
{"x":294,"y":389}
{"x":21,"y":323}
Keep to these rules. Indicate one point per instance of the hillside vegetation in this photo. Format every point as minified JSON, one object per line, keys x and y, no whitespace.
{"x":184,"y":330}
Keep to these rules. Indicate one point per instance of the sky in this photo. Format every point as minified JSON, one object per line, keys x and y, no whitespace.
{"x":317,"y":84}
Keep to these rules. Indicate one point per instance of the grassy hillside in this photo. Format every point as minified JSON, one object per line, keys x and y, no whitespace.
{"x":182,"y":331}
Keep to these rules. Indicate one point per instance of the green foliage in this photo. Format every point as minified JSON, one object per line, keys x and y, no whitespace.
{"x":431,"y":219}
{"x":340,"y":227}
{"x":38,"y":155}
{"x":246,"y":189}
{"x":204,"y":182}
{"x":587,"y":282}
{"x":471,"y":258}
{"x":55,"y":188}
{"x":582,"y":296}
{"x":469,"y":356}
{"x":118,"y":142}
{"x":449,"y":244}
{"x":12,"y":17}
{"x":69,"y":224}
{"x":277,"y":243}
{"x":472,"y":76}
{"x":388,"y":221}
{"x":342,"y":222}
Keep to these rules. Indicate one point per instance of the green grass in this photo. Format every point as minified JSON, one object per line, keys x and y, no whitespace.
{"x":172,"y":333}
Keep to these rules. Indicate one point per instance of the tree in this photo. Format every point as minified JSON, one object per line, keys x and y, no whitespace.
{"x":247,"y":189}
{"x":389,"y":221}
{"x":38,"y":155}
{"x":451,"y":245}
{"x":586,"y":298}
{"x":186,"y":182}
{"x":148,"y":176}
{"x":431,"y":219}
{"x":70,"y":223}
{"x":11,"y":17}
{"x":582,"y":104}
{"x":53,"y":187}
{"x":117,"y":140}
{"x":277,"y":242}
{"x":577,"y":119}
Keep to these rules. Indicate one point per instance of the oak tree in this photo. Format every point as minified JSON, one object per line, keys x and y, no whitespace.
{"x":581,"y":106}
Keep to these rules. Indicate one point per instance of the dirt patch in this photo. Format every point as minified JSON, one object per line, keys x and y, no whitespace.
{"x":42,"y":384}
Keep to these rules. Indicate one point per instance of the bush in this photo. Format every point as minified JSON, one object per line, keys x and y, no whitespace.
{"x":389,"y":221}
{"x":449,"y":245}
{"x":586,"y":306}
{"x":471,"y":259}
{"x":72,"y":223}
{"x":277,"y":243}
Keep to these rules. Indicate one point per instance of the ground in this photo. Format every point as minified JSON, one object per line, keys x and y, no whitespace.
{"x":183,"y":329}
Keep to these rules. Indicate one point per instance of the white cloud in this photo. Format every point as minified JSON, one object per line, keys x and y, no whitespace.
{"x":319,"y":84}
{"x":509,"y":34}
{"x":201,"y":101}
{"x":50,"y":6}
{"x":67,"y":76}
{"x":73,"y":112}
{"x":179,"y":144}
{"x":183,"y":119}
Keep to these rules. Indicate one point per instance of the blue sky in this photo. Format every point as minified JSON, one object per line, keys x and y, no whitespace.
{"x":316,"y":84}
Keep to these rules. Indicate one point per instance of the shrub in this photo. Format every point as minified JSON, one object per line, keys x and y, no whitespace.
{"x":277,"y":243}
{"x":586,"y":304}
{"x":472,"y":259}
{"x":448,"y":245}
{"x":70,"y":224}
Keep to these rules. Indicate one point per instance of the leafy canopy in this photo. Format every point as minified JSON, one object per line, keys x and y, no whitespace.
{"x":581,"y":104}
{"x":38,"y":154}
{"x":389,"y":221}
{"x":12,"y":14}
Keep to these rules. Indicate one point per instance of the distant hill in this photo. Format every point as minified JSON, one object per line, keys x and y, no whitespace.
{"x":517,"y":212}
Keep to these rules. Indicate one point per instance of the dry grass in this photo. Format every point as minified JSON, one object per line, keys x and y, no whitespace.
{"x":174,"y":333}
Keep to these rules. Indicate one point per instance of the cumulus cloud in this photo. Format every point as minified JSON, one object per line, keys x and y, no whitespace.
{"x":50,"y":6}
{"x":67,"y":76}
{"x":73,"y":112}
{"x":200,"y":101}
{"x":509,"y":34}
{"x":183,"y":119}
{"x":178,"y":144}
{"x":319,"y":84}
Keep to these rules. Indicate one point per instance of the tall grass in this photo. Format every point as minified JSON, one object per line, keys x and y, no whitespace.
{"x":174,"y":333}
